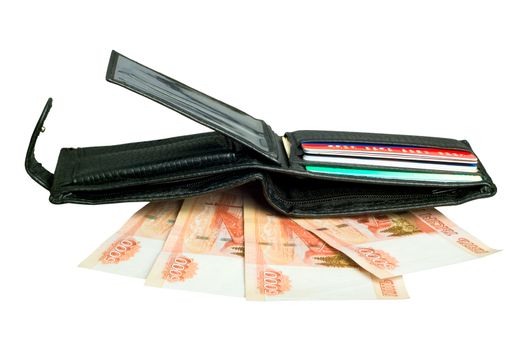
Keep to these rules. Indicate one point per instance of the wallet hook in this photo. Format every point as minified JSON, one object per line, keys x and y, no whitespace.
{"x":33,"y":167}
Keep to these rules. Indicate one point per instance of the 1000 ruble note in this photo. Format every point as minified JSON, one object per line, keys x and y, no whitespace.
{"x":388,"y":245}
{"x":204,"y":250}
{"x":284,"y":261}
{"x":133,"y":249}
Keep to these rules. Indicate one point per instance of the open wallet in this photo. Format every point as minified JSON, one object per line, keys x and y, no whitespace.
{"x":242,"y":149}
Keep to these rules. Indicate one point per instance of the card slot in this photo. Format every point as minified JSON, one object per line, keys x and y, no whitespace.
{"x":378,"y":167}
{"x":296,"y":138}
{"x":394,"y":176}
{"x":390,"y":181}
{"x":301,"y":136}
{"x":405,"y":183}
{"x":297,"y":162}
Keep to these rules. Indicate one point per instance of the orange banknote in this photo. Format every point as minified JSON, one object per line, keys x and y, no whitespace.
{"x":389,"y":245}
{"x":205,"y":248}
{"x":284,"y":261}
{"x":133,"y":249}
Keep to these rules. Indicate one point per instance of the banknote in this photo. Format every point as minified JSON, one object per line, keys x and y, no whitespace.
{"x":284,"y":261}
{"x":205,"y":248}
{"x":389,"y":245}
{"x":133,"y":249}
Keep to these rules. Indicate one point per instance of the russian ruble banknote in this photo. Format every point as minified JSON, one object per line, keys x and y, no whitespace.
{"x":284,"y":261}
{"x":389,"y":245}
{"x":132,"y":250}
{"x":205,"y":248}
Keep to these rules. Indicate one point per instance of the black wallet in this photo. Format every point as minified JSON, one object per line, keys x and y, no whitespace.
{"x":241,"y":149}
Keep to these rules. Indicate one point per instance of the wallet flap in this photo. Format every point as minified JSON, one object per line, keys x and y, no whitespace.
{"x":217,"y":115}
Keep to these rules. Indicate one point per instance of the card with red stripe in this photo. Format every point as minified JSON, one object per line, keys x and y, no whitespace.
{"x":389,"y":152}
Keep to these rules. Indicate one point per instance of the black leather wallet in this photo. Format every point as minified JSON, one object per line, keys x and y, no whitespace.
{"x":242,"y":149}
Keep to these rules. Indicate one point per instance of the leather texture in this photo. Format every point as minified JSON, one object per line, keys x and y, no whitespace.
{"x":232,"y":156}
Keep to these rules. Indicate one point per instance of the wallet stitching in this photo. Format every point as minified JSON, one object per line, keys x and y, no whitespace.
{"x":348,"y":136}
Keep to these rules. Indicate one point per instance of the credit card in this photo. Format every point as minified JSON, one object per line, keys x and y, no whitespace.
{"x":389,"y":152}
{"x":393,"y":163}
{"x":394,"y":174}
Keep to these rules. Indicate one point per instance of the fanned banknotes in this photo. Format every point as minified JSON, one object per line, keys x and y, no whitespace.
{"x":227,"y":243}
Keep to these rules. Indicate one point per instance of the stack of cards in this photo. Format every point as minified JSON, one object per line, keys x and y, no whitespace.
{"x":397,"y":162}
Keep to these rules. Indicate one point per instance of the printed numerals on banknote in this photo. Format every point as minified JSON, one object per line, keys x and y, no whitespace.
{"x":284,"y":261}
{"x":205,"y":248}
{"x":389,"y":245}
{"x":133,"y":249}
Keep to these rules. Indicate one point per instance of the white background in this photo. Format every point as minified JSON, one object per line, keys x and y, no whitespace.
{"x":439,"y":68}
